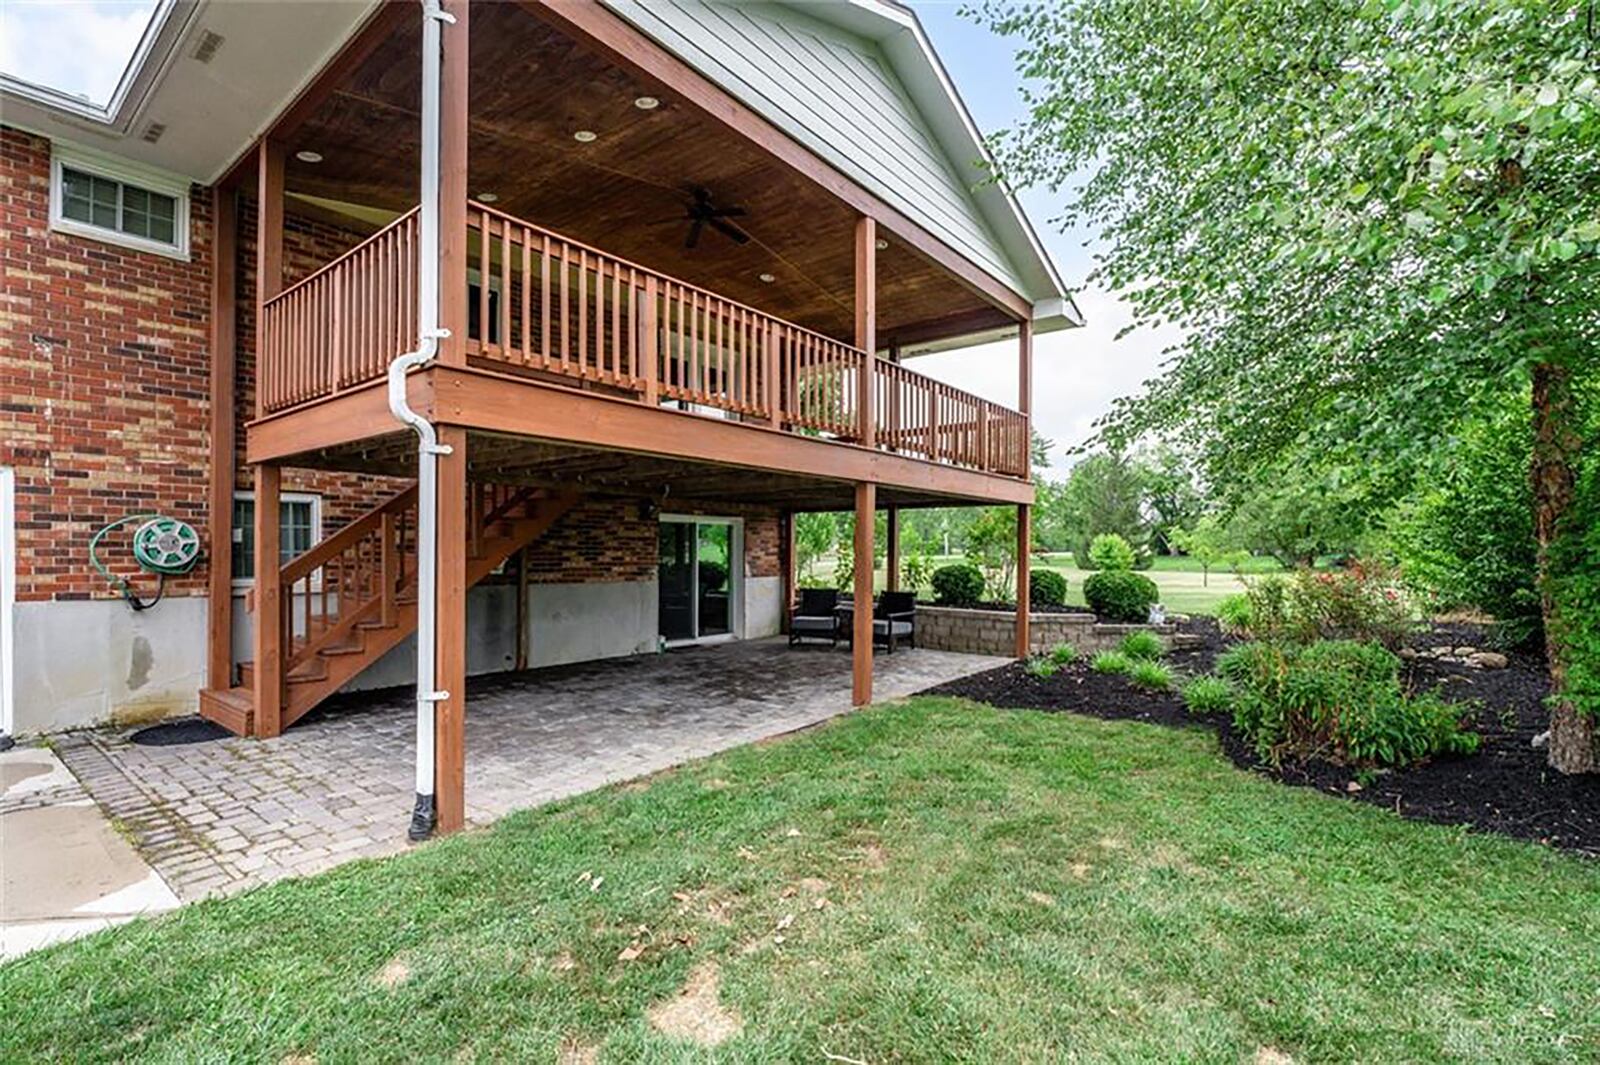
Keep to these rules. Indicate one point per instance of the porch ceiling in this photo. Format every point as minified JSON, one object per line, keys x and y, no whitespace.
{"x":532,"y":88}
{"x":493,"y":457}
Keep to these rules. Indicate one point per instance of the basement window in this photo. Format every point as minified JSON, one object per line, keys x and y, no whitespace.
{"x":117,"y":202}
{"x":299,"y":528}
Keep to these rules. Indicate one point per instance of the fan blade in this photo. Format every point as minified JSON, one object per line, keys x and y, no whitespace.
{"x":729,"y":230}
{"x":694,"y":233}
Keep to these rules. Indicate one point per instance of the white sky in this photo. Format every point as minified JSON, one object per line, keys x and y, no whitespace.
{"x":82,"y":46}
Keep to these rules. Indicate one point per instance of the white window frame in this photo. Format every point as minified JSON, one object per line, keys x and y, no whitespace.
{"x":284,"y":497}
{"x":111,"y":168}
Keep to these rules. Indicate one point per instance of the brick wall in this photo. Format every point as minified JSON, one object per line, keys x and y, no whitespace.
{"x":994,"y":632}
{"x":616,"y":540}
{"x":103,"y":380}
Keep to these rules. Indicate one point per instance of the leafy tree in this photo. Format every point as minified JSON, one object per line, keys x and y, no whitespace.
{"x":815,"y":534}
{"x":1369,"y":216}
{"x":992,"y":547}
{"x":1298,"y":515}
{"x":1104,"y":493}
{"x":1209,"y":541}
{"x":1171,"y":497}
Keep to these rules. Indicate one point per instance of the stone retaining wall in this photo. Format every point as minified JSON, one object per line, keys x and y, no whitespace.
{"x":993,"y":632}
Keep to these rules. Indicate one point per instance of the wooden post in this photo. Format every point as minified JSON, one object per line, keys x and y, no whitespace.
{"x":450,"y":642}
{"x":867,"y":325}
{"x":861,"y":669}
{"x":892,"y":533}
{"x":269,"y":246}
{"x":1024,"y":542}
{"x":453,"y":250}
{"x":219,"y":552}
{"x":269,"y":650}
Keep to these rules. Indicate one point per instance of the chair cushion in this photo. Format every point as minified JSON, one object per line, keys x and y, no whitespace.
{"x":901,"y":628}
{"x":804,"y":624}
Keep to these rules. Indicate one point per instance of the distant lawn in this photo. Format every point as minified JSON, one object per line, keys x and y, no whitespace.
{"x":1184,"y":588}
{"x":925,"y":881}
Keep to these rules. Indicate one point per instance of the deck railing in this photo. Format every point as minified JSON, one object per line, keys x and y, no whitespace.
{"x":543,"y":304}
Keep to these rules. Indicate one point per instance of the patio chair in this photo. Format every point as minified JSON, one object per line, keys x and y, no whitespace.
{"x":895,"y":620}
{"x":817,"y":616}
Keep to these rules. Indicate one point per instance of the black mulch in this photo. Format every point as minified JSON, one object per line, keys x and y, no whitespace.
{"x":1506,"y":787}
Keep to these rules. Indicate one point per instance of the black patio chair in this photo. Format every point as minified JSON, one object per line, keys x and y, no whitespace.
{"x":817,"y":616}
{"x":895,"y":620}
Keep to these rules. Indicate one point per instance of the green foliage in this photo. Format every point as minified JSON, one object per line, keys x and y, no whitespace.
{"x":1041,"y":667}
{"x":1109,"y":551}
{"x":1360,"y":603}
{"x":915,"y":572}
{"x":1574,"y":586}
{"x":844,"y":572}
{"x":1206,"y":695}
{"x":1209,"y":542}
{"x":815,"y":534}
{"x":1150,"y":675}
{"x":992,"y":547}
{"x":1111,"y":662}
{"x":1234,"y":614}
{"x":1046,"y":588}
{"x":1063,"y":654}
{"x":1338,"y":700}
{"x":1143,"y":645}
{"x":1119,"y":595}
{"x":958,"y":584}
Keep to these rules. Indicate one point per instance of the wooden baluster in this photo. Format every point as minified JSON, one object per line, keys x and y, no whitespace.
{"x":566,"y":309}
{"x":633,"y":325}
{"x":652,"y":345}
{"x":475,"y":518}
{"x":583,"y":312}
{"x":525,"y":301}
{"x":544,"y":300}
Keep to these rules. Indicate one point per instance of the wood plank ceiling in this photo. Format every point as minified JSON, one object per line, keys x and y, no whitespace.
{"x":626,"y":191}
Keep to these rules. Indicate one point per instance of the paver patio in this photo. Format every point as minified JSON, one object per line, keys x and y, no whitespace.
{"x":219,"y":816}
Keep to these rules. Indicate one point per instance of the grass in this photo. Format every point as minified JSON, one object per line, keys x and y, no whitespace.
{"x":998,"y":886}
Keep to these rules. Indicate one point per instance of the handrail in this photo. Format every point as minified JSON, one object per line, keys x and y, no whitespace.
{"x":303,"y":564}
{"x":334,"y":263}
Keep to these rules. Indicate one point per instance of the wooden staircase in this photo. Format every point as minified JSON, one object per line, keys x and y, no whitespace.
{"x":353,"y":597}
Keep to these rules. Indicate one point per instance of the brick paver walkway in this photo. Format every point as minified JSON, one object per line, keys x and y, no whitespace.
{"x":218,"y":816}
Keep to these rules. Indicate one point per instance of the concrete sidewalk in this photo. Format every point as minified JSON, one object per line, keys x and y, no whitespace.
{"x":64,"y":869}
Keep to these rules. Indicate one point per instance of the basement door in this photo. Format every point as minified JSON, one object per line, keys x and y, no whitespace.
{"x":699,"y":578}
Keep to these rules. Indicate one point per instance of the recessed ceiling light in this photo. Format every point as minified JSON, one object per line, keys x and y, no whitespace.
{"x":308,"y":156}
{"x":768,"y":278}
{"x":882,"y":244}
{"x":646,"y":103}
{"x":585,"y":136}
{"x":487,"y":197}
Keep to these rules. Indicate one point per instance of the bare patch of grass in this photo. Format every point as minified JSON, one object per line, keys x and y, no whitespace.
{"x":696,"y":1014}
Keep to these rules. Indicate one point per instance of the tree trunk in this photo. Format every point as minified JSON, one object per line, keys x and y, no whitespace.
{"x":1555,"y":447}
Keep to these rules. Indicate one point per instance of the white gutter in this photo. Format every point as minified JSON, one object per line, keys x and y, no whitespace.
{"x":424,"y":815}
{"x":8,"y":596}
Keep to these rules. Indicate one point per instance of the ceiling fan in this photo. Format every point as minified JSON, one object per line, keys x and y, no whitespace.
{"x":701,"y":212}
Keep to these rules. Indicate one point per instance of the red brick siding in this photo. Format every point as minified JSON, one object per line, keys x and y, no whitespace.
{"x":614,"y":540}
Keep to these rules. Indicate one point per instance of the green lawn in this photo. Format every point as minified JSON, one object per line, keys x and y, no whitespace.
{"x":997,"y":886}
{"x":1184,"y":588}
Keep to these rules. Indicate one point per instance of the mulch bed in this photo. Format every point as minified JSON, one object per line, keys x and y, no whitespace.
{"x":1506,"y":787}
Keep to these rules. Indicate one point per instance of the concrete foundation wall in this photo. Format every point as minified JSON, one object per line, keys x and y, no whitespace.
{"x":993,"y":632}
{"x":763,"y":606}
{"x":96,"y":661}
{"x":581,"y":622}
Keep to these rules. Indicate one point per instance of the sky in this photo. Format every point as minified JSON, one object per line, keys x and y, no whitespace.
{"x":81,"y":46}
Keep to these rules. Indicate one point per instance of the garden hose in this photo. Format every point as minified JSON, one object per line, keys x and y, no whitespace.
{"x":164,"y":546}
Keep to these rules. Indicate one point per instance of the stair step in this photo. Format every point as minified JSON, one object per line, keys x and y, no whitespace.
{"x":232,"y":708}
{"x":344,"y":649}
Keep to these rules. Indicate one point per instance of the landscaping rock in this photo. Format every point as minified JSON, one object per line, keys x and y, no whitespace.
{"x":1408,"y":653}
{"x":1440,"y":652}
{"x":1488,"y":660}
{"x":1465,"y":652}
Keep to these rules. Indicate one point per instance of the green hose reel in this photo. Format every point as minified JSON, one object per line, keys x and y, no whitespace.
{"x":164,"y":546}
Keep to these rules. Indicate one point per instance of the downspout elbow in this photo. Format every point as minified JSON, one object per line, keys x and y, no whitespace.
{"x":398,"y":404}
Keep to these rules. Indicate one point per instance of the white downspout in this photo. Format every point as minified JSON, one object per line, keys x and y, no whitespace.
{"x":424,"y":815}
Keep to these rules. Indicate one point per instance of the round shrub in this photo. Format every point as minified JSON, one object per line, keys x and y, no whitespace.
{"x":958,"y":584}
{"x":1046,"y":588}
{"x":1121,"y":595}
{"x":1110,"y":552}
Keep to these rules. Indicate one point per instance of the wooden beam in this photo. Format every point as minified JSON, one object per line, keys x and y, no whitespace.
{"x":221,"y":461}
{"x":269,"y":246}
{"x":269,"y":649}
{"x":867,"y":326}
{"x":454,"y":85}
{"x":588,"y":21}
{"x":450,"y":714}
{"x":1024,"y":561}
{"x":861,"y":637}
{"x":359,"y":414}
{"x":892,"y":555}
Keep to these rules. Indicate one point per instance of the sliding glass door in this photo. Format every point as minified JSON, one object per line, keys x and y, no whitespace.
{"x":698,"y":578}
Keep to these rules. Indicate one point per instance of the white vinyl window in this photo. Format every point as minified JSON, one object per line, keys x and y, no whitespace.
{"x":117,"y":202}
{"x":299,"y":528}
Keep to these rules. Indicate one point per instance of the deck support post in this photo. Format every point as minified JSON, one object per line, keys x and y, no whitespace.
{"x":867,"y":326}
{"x":1024,"y":542}
{"x":891,"y":534}
{"x":219,"y":549}
{"x":269,"y":626}
{"x":450,"y":638}
{"x":454,"y":82}
{"x":861,"y":634}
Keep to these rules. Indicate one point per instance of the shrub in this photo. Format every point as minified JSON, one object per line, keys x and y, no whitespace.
{"x":915,"y":570}
{"x":1207,"y":695}
{"x":1364,"y":603}
{"x":1063,"y":654}
{"x":1340,"y":700}
{"x":1111,"y":662}
{"x":1046,"y":588}
{"x":1146,"y":645}
{"x":1041,"y":667}
{"x":1233,"y":614}
{"x":958,"y":584}
{"x":1121,"y":595}
{"x":1111,"y":553}
{"x":1149,"y":674}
